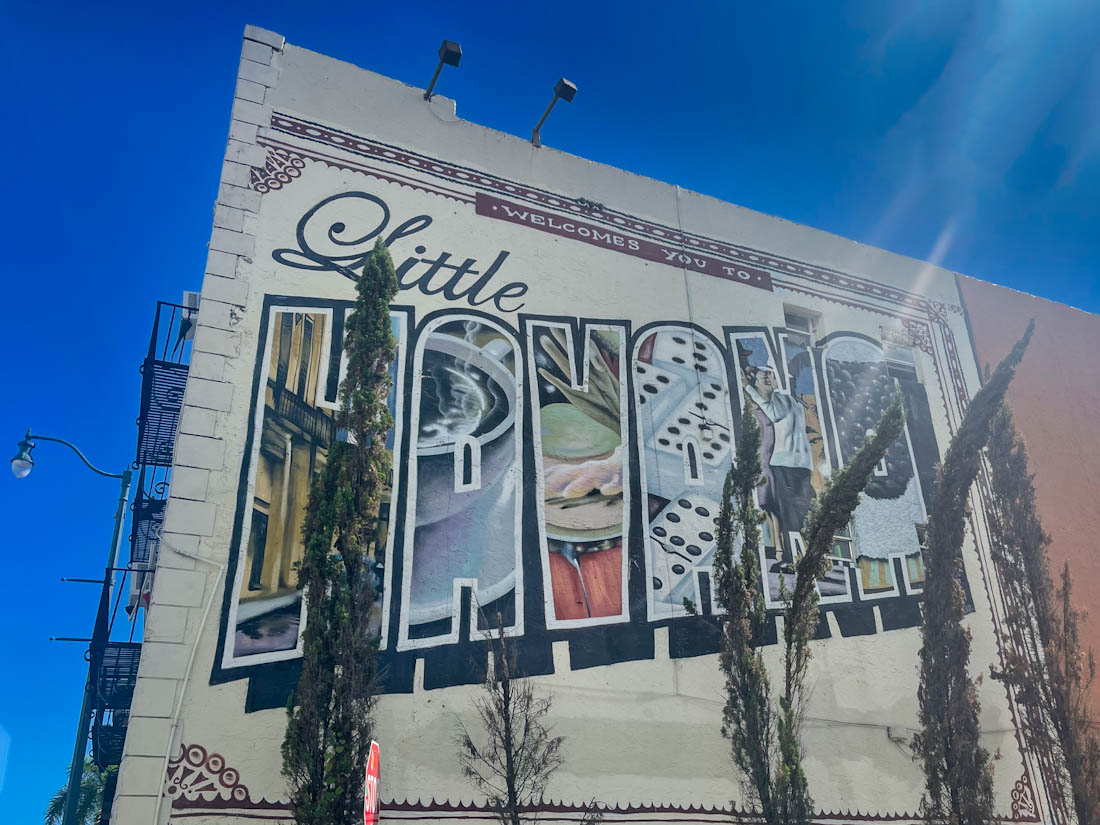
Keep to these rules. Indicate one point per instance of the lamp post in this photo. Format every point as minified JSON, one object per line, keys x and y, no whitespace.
{"x":21,"y":465}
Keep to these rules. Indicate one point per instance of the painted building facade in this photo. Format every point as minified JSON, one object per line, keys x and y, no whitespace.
{"x":576,"y":348}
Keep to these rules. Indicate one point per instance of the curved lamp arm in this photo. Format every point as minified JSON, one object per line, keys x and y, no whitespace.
{"x":73,"y":447}
{"x":21,"y":465}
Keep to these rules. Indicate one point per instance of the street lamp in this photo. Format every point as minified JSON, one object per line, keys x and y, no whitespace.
{"x":21,"y":465}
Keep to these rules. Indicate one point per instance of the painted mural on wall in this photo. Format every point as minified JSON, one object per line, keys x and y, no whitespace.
{"x":793,"y":457}
{"x":295,"y":410}
{"x":608,"y":510}
{"x":579,"y":426}
{"x":684,"y":419}
{"x":464,"y":468}
{"x":293,"y":444}
{"x":563,"y":471}
{"x":861,"y":383}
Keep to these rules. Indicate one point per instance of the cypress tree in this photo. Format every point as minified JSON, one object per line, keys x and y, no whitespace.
{"x":957,"y":771}
{"x":750,"y":721}
{"x":832,"y":510}
{"x":747,"y":717}
{"x":329,"y":714}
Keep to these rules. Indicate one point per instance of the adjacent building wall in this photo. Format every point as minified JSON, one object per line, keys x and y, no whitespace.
{"x":1055,"y":399}
{"x":577,"y":346}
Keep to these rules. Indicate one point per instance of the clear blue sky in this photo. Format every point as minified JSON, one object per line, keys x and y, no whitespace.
{"x":966,"y":133}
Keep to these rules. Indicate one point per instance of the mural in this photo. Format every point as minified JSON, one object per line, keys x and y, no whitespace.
{"x":297,"y":426}
{"x":570,"y":387}
{"x":579,"y":424}
{"x":565,"y":473}
{"x":292,"y":446}
{"x":463,"y":519}
{"x":682,"y":404}
{"x":793,"y":455}
{"x":468,"y":528}
{"x":860,"y":387}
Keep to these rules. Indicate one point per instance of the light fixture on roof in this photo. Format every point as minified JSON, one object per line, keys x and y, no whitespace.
{"x":563,"y":90}
{"x":450,"y":53}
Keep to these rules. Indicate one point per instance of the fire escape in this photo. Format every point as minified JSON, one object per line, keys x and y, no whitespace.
{"x":164,"y":375}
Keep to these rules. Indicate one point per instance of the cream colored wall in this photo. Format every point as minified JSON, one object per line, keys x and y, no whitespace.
{"x":637,"y":732}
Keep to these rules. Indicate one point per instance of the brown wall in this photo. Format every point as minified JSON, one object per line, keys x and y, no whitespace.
{"x":1055,"y":399}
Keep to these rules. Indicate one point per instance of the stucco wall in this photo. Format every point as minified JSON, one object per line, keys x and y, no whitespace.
{"x":607,"y":330}
{"x":1054,"y":398}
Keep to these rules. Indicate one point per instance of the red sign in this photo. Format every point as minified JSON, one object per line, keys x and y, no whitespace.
{"x":370,"y":787}
{"x":672,"y":254}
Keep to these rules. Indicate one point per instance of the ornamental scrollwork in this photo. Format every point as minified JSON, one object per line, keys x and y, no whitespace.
{"x":197,"y":774}
{"x":919,"y":334}
{"x":281,"y":168}
{"x":1023,"y":799}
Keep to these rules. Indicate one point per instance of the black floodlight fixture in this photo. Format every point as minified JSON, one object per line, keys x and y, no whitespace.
{"x":563,"y":90}
{"x":450,"y":53}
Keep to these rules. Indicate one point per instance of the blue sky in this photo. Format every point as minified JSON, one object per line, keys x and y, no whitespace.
{"x":964,"y":133}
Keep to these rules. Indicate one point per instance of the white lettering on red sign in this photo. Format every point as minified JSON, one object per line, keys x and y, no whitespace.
{"x":370,"y":787}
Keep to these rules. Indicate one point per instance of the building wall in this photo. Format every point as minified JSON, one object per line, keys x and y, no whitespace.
{"x":576,"y":347}
{"x":1054,"y":400}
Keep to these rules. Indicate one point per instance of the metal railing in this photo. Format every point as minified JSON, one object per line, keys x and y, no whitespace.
{"x":164,"y":376}
{"x":312,"y":421}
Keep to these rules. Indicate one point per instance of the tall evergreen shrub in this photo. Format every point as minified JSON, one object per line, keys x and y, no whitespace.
{"x":329,"y":726}
{"x":765,"y":740}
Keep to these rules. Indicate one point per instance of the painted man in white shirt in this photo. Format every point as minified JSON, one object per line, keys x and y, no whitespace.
{"x":785,"y":454}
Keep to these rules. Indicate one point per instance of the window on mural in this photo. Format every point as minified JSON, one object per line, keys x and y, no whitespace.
{"x":842,"y":554}
{"x":286,"y":330}
{"x":880,"y":468}
{"x":801,"y":326}
{"x":304,"y":359}
{"x":901,"y":362}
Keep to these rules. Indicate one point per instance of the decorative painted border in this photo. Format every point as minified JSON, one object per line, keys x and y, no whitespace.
{"x":200,"y":783}
{"x":467,"y":176}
